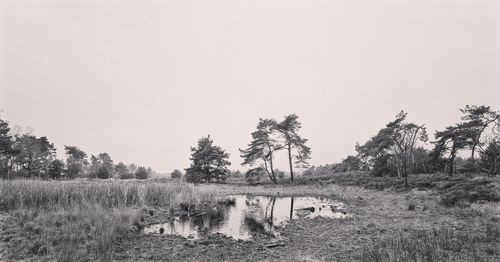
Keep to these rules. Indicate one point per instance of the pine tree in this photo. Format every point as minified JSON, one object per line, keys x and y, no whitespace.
{"x":262,"y":147}
{"x":209,"y":162}
{"x":289,"y":129}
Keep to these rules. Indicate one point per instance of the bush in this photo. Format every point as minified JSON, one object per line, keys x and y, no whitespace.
{"x":490,"y":158}
{"x":56,"y":169}
{"x":468,"y":191}
{"x":254,"y":175}
{"x":176,"y":174}
{"x":141,"y":173}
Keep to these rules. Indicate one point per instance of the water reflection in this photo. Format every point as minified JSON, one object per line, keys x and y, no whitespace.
{"x":249,"y":215}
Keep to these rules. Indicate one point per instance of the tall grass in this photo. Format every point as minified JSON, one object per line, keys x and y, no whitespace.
{"x":80,"y":220}
{"x":28,"y":194}
{"x":84,"y":233}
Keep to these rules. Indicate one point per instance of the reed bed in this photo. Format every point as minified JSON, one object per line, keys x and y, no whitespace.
{"x":29,"y":194}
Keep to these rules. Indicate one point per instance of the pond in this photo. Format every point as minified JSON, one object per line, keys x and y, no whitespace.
{"x":242,"y":216}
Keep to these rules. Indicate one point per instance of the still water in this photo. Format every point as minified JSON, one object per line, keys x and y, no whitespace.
{"x":247,"y":215}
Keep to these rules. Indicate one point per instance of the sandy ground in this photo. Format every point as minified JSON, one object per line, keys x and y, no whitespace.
{"x":376,"y":214}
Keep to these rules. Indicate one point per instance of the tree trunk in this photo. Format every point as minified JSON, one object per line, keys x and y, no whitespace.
{"x":453,"y":153}
{"x":425,"y":168}
{"x":450,"y":165}
{"x":272,"y":168}
{"x":405,"y":172}
{"x":269,"y":173}
{"x":290,"y":162}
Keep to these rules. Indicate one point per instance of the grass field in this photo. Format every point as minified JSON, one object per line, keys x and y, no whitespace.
{"x":62,"y":220}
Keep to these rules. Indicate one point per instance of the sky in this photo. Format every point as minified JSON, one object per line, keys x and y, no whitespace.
{"x":143,"y":80}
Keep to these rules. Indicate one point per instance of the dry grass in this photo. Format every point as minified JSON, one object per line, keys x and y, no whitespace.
{"x":28,"y":194}
{"x":82,"y":220}
{"x":84,"y":233}
{"x":444,"y":244}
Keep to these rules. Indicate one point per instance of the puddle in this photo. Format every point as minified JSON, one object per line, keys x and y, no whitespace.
{"x":247,"y":215}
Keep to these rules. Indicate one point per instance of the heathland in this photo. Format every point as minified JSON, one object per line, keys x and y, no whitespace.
{"x":437,"y":218}
{"x":401,"y":200}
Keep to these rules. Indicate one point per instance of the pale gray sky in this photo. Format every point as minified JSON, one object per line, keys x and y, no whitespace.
{"x":143,"y":80}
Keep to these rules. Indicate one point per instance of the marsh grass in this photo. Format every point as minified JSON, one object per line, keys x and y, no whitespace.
{"x":80,"y":220}
{"x":28,"y":194}
{"x":84,"y":233}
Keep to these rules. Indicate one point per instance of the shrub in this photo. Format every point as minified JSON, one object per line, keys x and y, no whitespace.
{"x":141,"y":173}
{"x":469,"y":190}
{"x":254,"y":175}
{"x":176,"y":174}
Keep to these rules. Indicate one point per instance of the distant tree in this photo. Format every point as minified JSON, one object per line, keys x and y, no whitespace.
{"x":450,"y":141}
{"x":352,"y":163}
{"x":150,"y":171}
{"x":132,"y":168}
{"x":122,"y":171}
{"x":490,"y":158}
{"x":310,"y":171}
{"x":76,"y":161}
{"x":262,"y":147}
{"x":208,"y":162}
{"x":289,"y":129}
{"x":422,"y":162}
{"x":383,"y":165}
{"x":56,"y":169}
{"x":254,"y":175}
{"x":101,"y":166}
{"x":176,"y":174}
{"x":7,"y":152}
{"x":395,"y":143}
{"x":280,"y":174}
{"x":141,"y":173}
{"x":237,"y":174}
{"x":34,"y":155}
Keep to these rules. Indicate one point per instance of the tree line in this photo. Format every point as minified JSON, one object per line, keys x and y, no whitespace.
{"x":23,"y":155}
{"x":399,"y":149}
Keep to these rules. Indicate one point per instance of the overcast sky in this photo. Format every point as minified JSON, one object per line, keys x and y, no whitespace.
{"x":144,"y":80}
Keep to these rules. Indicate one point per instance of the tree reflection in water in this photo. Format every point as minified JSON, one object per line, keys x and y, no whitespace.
{"x":246,"y":215}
